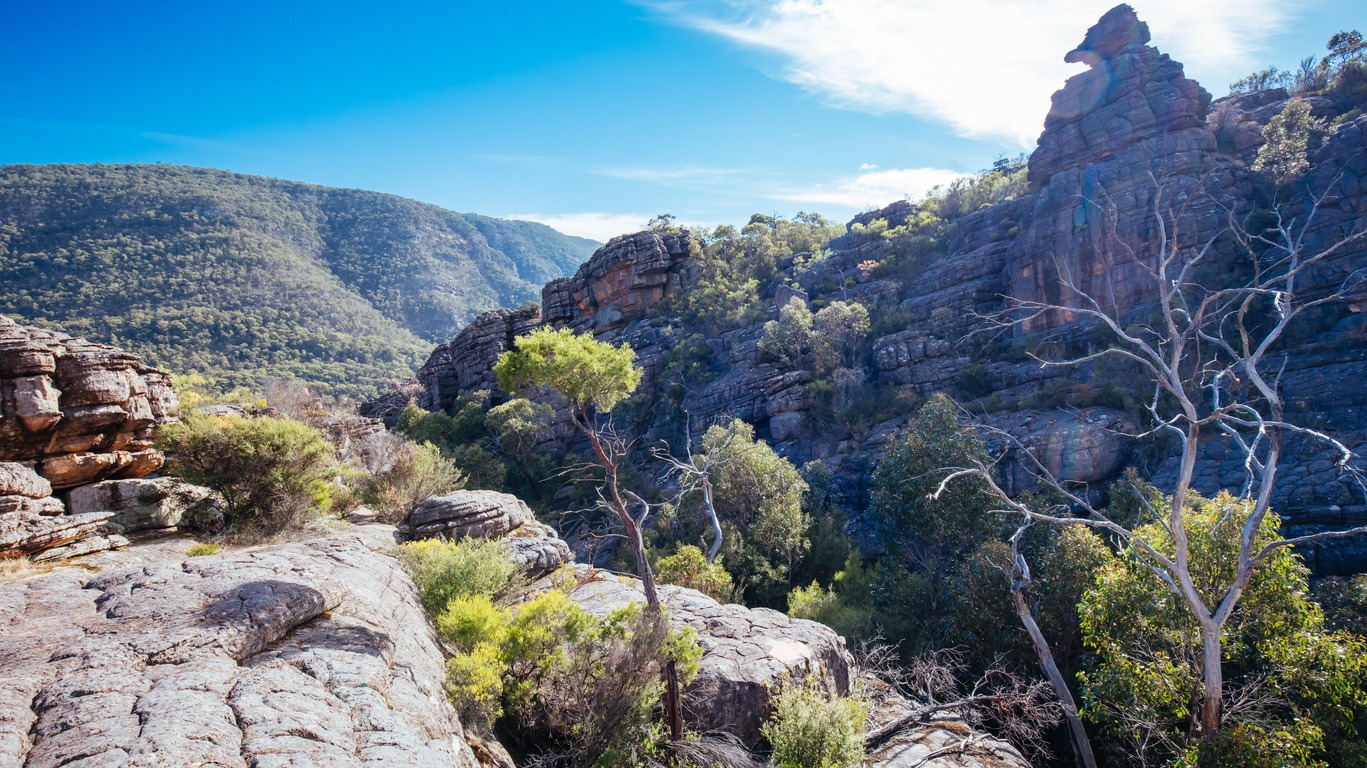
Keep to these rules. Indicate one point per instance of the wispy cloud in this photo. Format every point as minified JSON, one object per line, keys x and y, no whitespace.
{"x":595,"y":225}
{"x":678,"y":176}
{"x":985,"y":67}
{"x":871,"y":187}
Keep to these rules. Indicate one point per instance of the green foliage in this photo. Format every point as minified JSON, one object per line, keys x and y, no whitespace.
{"x":845,"y":326}
{"x":790,"y":338}
{"x":726,"y":271}
{"x":202,"y":550}
{"x":272,"y":473}
{"x":415,"y":474}
{"x":589,"y":374}
{"x":688,"y":567}
{"x":758,"y":494}
{"x":809,"y":729}
{"x":519,"y":428}
{"x":242,"y":278}
{"x":465,"y":438}
{"x":689,"y":362}
{"x":583,"y":688}
{"x":1287,"y":137}
{"x":975,"y":380}
{"x":1143,"y":680}
{"x":933,"y":536}
{"x":443,"y":570}
{"x":845,"y":606}
{"x":1261,"y":80}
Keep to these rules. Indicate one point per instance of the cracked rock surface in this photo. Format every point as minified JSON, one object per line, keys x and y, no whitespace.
{"x":304,"y":654}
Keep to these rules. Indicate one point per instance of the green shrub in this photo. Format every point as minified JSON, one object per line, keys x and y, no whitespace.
{"x":201,"y":550}
{"x":416,"y":474}
{"x":975,"y":380}
{"x":809,"y":729}
{"x":272,"y":473}
{"x":474,"y":684}
{"x":584,"y":688}
{"x":688,"y":567}
{"x":443,"y":570}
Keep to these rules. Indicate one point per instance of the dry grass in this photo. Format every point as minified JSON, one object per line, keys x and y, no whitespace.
{"x":14,"y":569}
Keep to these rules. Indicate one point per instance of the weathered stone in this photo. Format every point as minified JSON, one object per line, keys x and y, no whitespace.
{"x":489,"y":515}
{"x":624,"y":278}
{"x":537,"y":549}
{"x":27,"y":533}
{"x":747,"y":652}
{"x":461,"y":514}
{"x":148,"y":504}
{"x":305,"y":654}
{"x":78,"y":411}
{"x":19,"y":480}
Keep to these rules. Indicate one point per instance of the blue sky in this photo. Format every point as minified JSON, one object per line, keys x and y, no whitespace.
{"x":594,"y":115}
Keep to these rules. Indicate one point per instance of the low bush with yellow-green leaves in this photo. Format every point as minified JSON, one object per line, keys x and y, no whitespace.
{"x":585,"y":689}
{"x":812,"y":729}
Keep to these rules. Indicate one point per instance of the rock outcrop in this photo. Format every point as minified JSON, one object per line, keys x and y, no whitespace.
{"x":1122,"y":139}
{"x":1129,"y":137}
{"x":489,"y":515}
{"x":34,"y":524}
{"x":78,"y":412}
{"x":623,"y":279}
{"x":957,"y":745}
{"x":305,"y":654}
{"x":149,"y":504}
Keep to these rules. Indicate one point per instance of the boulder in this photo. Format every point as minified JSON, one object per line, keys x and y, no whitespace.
{"x":150,"y":503}
{"x":489,"y":515}
{"x":304,"y":654}
{"x":455,"y":516}
{"x":19,"y":480}
{"x":36,"y":525}
{"x":747,"y":652}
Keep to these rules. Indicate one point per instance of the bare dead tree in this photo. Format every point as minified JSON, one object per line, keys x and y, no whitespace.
{"x":1215,"y":368}
{"x":1018,"y":708}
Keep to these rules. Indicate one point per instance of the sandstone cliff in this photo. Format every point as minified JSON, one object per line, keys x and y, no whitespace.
{"x":1130,"y":134}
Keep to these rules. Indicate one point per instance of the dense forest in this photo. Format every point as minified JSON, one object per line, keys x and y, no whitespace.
{"x":242,"y":278}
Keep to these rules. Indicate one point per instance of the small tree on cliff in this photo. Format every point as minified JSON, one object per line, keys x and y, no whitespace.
{"x":1214,"y":357}
{"x":591,"y":377}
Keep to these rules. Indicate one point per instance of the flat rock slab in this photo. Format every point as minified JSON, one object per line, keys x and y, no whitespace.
{"x":309,"y":654}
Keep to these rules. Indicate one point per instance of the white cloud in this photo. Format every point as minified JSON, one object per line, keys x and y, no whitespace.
{"x":688,"y":175}
{"x":593,"y":225}
{"x":985,"y":67}
{"x":871,"y":188}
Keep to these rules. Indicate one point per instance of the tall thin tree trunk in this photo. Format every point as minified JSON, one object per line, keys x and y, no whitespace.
{"x":1082,"y":746}
{"x":673,"y":696}
{"x":1213,"y":676}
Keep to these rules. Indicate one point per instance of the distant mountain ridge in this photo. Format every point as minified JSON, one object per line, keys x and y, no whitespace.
{"x":244,"y":278}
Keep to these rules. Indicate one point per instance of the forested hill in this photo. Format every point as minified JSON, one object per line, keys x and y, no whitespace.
{"x":244,"y":278}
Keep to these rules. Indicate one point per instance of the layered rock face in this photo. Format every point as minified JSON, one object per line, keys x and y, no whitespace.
{"x":34,"y":524}
{"x":78,"y":412}
{"x":623,"y":279}
{"x":1130,"y":137}
{"x":1122,"y":141}
{"x":490,"y":515}
{"x":306,"y":654}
